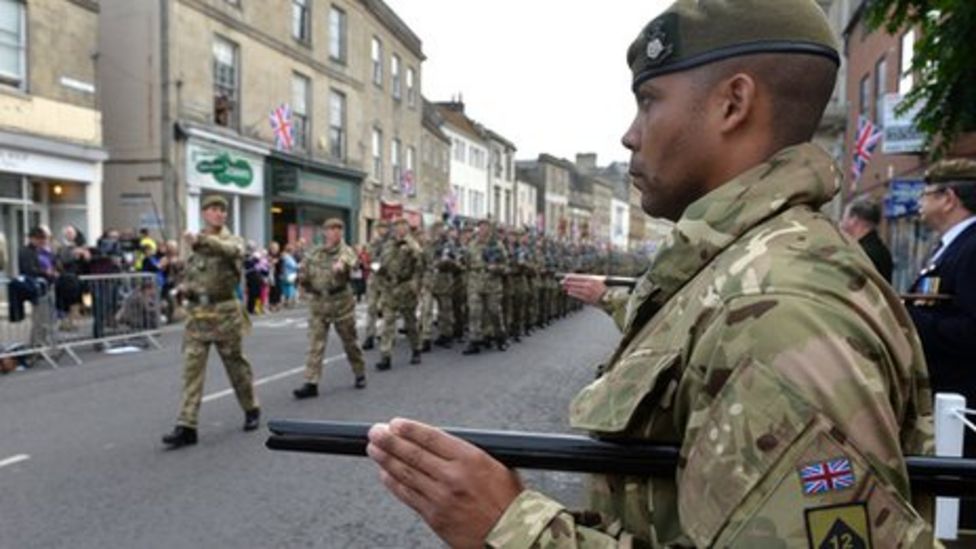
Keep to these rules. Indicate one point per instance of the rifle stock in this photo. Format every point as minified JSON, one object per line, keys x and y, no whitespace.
{"x":951,"y":477}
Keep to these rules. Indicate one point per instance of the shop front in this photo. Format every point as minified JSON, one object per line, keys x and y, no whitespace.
{"x":51,"y":183}
{"x":237,"y":174}
{"x":305,"y":193}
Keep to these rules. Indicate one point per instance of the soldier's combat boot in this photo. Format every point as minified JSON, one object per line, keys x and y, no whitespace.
{"x":252,"y":419}
{"x":308,"y":390}
{"x":443,"y":341}
{"x":501,"y":344}
{"x":426,"y":347}
{"x":369,"y":343}
{"x":181,"y":436}
{"x":384,"y":363}
{"x":360,"y":382}
{"x":473,"y":348}
{"x":415,"y":357}
{"x":516,"y":338}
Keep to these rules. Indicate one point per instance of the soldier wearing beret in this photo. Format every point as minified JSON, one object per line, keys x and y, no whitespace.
{"x":946,"y":323}
{"x":760,"y":340}
{"x":401,"y":267}
{"x":214,"y":317}
{"x":324,"y":275}
{"x":373,"y":285}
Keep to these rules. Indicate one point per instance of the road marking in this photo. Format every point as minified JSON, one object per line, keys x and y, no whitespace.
{"x":269,"y":379}
{"x":14,"y":459}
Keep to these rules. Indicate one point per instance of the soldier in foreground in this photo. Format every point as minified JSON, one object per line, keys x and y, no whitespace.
{"x":214,"y":316}
{"x":760,"y":340}
{"x":324,"y":275}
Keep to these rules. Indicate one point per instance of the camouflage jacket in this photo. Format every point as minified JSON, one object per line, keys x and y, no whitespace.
{"x":331,"y":295}
{"x":764,"y":345}
{"x":401,"y":264}
{"x":213,"y":271}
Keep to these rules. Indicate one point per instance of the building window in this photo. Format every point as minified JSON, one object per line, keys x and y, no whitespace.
{"x":377,"y":54}
{"x":508,"y":206}
{"x":496,"y":162}
{"x":880,"y":70}
{"x":226,"y":98}
{"x":411,"y":152}
{"x":337,"y":34}
{"x":459,"y":150}
{"x":378,"y":154}
{"x":496,"y":206}
{"x":863,"y":97}
{"x":476,"y":158}
{"x":300,"y":20}
{"x":337,"y":125}
{"x":299,"y":98}
{"x":395,"y":75}
{"x":905,"y":77}
{"x":12,"y":43}
{"x":395,"y":163}
{"x":411,"y":89}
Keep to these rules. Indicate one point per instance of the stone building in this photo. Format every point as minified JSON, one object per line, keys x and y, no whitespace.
{"x":51,"y":155}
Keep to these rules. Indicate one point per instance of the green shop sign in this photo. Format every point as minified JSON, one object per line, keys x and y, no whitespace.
{"x":227,"y":171}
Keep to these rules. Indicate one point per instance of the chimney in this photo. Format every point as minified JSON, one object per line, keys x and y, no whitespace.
{"x":586,"y":162}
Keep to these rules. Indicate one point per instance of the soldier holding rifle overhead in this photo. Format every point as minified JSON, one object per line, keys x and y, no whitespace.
{"x":760,"y":340}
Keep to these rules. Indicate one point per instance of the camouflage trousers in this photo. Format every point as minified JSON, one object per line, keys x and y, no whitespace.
{"x":426,"y":314}
{"x":395,"y":306}
{"x":459,"y":298}
{"x":445,"y":314}
{"x":520,"y":307}
{"x":485,"y":312}
{"x":195,"y":353}
{"x":318,"y":333}
{"x":374,"y":304}
{"x":532,"y":302}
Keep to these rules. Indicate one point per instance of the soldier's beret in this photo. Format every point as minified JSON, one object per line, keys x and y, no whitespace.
{"x":334,"y":222}
{"x":213,"y":200}
{"x":484,"y":222}
{"x":956,"y":169}
{"x":382,"y":224}
{"x":691,"y":33}
{"x":400,"y":221}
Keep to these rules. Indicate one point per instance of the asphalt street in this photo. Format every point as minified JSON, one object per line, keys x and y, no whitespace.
{"x":81,"y":463}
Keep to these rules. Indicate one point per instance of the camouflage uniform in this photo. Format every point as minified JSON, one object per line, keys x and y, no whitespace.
{"x":374,"y":294}
{"x":764,"y":344}
{"x":460,"y":294}
{"x":520,"y":289}
{"x":400,"y":272}
{"x":485,"y":289}
{"x":426,"y":297}
{"x":445,"y":266}
{"x":214,"y":316}
{"x":332,"y":302}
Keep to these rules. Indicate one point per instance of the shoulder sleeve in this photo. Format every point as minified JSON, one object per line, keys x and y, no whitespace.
{"x":537,"y":522}
{"x":231,"y":247}
{"x":796,"y":437}
{"x":614,"y":303}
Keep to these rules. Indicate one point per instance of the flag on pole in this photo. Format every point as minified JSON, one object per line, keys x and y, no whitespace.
{"x":281,"y":124}
{"x":407,"y":183}
{"x":865,"y":141}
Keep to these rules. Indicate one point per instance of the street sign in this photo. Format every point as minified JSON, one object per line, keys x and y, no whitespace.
{"x":900,"y":133}
{"x":902,"y":198}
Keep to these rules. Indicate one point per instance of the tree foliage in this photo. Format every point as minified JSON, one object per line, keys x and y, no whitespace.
{"x":944,"y":64}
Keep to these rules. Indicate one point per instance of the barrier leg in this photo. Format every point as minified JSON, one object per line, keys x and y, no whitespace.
{"x":949,"y":431}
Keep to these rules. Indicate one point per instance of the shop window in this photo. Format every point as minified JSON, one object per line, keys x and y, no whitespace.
{"x":337,"y":34}
{"x":337,"y":125}
{"x":13,"y":44}
{"x":300,"y":93}
{"x":226,"y":97}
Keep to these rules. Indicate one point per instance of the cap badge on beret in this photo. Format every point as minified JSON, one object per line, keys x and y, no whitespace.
{"x":658,"y":46}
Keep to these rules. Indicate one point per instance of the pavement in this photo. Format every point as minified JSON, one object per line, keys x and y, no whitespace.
{"x":81,"y":464}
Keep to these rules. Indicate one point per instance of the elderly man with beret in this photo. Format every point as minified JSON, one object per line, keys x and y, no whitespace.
{"x":215,"y":317}
{"x":760,"y":340}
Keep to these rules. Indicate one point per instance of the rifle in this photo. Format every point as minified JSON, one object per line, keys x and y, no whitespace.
{"x":608,"y":280}
{"x":942,"y":476}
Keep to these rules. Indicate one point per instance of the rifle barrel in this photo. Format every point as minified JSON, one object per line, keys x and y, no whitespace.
{"x":608,"y":280}
{"x":951,"y":477}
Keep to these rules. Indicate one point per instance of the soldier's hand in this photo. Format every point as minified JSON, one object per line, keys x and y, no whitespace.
{"x":458,"y":489}
{"x":190,"y":238}
{"x":586,"y":288}
{"x":338,"y":267}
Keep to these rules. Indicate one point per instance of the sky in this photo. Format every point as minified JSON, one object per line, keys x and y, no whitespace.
{"x":548,"y":75}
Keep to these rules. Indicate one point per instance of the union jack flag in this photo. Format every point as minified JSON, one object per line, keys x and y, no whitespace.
{"x":867,"y":138}
{"x":451,"y":203}
{"x":834,"y":474}
{"x":283,"y":130}
{"x":407,"y":183}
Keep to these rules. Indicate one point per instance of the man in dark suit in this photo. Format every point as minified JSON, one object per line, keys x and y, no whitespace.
{"x":860,"y":221}
{"x":947,"y":323}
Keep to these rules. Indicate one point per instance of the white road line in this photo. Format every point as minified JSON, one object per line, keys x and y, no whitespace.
{"x":269,"y":379}
{"x":14,"y":459}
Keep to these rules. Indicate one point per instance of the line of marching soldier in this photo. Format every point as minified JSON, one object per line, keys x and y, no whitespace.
{"x":490,"y":285}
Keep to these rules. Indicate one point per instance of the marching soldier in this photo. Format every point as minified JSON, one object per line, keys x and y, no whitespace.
{"x":215,"y":316}
{"x":401,"y":264}
{"x":426,"y":297}
{"x":460,"y":293}
{"x":520,"y":285}
{"x":373,"y":293}
{"x":445,"y":267}
{"x":324,"y":275}
{"x":486,"y":259}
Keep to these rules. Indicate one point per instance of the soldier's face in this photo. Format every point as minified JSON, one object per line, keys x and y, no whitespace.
{"x":669,"y":152}
{"x":215,"y":216}
{"x":332,"y":236}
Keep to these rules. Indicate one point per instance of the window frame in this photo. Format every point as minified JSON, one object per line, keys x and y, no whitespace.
{"x":396,"y":166}
{"x":234,"y":118}
{"x":339,"y":140}
{"x":19,"y":82}
{"x":880,"y":74}
{"x":301,"y":122}
{"x":377,"y":149}
{"x":396,"y":80}
{"x":302,"y":34}
{"x":905,"y":73}
{"x":338,"y":39}
{"x":411,"y":87}
{"x":376,"y":55}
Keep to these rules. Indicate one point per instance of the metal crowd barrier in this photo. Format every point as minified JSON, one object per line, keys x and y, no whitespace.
{"x":27,"y":318}
{"x":123,"y":307}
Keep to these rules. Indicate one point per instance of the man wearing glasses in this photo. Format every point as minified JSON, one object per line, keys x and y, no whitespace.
{"x":946,"y":322}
